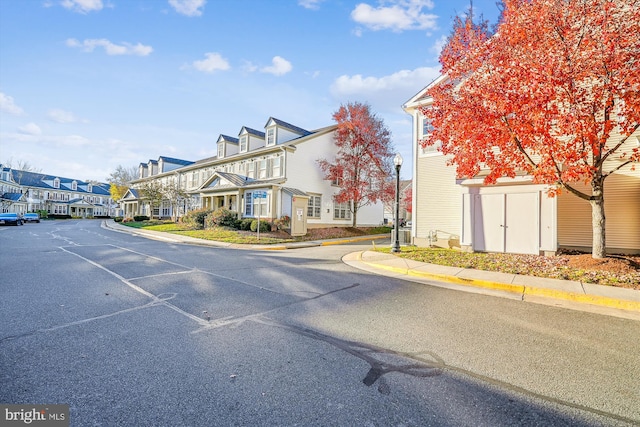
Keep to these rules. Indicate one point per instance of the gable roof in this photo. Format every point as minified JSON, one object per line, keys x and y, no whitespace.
{"x":289,"y":126}
{"x":228,"y":138}
{"x":40,"y":180}
{"x":175,"y":161}
{"x":252,"y":132}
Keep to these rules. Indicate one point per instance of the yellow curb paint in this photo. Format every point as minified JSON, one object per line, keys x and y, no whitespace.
{"x":588,"y":299}
{"x":355,"y":239}
{"x":519,"y":289}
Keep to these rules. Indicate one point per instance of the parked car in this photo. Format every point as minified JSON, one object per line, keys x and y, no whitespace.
{"x":31,"y":217}
{"x":10,"y":218}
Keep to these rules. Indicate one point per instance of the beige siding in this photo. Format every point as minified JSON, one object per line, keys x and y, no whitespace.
{"x":622,"y":211}
{"x":438,"y":202}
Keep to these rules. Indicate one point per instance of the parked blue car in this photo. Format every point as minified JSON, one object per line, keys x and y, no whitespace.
{"x":10,"y":218}
{"x":31,"y":217}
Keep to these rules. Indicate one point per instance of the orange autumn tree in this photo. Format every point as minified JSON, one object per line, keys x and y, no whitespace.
{"x":554,"y":93}
{"x":362,"y":167}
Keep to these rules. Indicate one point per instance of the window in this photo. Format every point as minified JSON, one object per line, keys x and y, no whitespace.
{"x":248,"y":204}
{"x":425,"y":129}
{"x":243,"y":144}
{"x":90,"y":188}
{"x":277,"y":170}
{"x":271,"y":136}
{"x":74,"y":186}
{"x":255,"y":206}
{"x":341,"y":210}
{"x":263,"y":168}
{"x":250,"y":169}
{"x":314,"y":206}
{"x":56,"y":183}
{"x":220,"y":150}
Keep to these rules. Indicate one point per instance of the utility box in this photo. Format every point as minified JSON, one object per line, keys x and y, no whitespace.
{"x":299,"y":215}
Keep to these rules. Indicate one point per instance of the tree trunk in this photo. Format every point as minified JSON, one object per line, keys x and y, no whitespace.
{"x":355,"y":217}
{"x":598,"y":218}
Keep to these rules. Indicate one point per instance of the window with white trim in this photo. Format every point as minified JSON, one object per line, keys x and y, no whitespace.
{"x":243,"y":143}
{"x":425,"y":129}
{"x":341,"y":210}
{"x":271,"y":136}
{"x":56,"y":183}
{"x":276,"y":166}
{"x":263,"y":168}
{"x":314,"y":206}
{"x":251,"y":169}
{"x":221,"y":150}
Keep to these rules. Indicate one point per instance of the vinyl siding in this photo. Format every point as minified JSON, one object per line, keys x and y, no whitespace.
{"x":622,"y":212}
{"x":438,"y":202}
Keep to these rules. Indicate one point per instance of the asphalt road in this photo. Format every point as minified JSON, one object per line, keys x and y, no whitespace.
{"x":136,"y":332}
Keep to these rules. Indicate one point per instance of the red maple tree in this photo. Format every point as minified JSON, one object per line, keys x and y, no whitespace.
{"x":407,"y":199}
{"x":554,"y":93}
{"x":362,"y":167}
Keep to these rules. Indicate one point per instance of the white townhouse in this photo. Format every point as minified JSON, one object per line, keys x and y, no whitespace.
{"x":269,"y":173}
{"x":23,"y":191}
{"x":515,"y":215}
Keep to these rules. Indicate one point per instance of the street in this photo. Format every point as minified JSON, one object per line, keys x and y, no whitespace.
{"x":133,"y":332}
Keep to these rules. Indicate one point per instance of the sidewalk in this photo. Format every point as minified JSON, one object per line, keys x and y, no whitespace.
{"x":607,"y":300}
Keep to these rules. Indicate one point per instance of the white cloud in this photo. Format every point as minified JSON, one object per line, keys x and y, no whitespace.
{"x":399,"y":15}
{"x":439,"y":44}
{"x":61,"y":116}
{"x":383,"y":93}
{"x":214,"y":61}
{"x":9,"y":106}
{"x":188,"y":7}
{"x":110,"y":48}
{"x":357,"y":84}
{"x":30,"y":129}
{"x":279,"y":66}
{"x":310,"y":4}
{"x":82,"y":6}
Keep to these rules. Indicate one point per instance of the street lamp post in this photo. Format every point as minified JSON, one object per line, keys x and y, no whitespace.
{"x":397,"y":161}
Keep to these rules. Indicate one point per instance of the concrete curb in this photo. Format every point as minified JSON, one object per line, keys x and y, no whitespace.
{"x":526,"y":286}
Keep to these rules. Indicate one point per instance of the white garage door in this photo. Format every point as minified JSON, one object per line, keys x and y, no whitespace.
{"x":506,"y":223}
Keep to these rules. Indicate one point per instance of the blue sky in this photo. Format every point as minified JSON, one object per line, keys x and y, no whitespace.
{"x":87,"y":85}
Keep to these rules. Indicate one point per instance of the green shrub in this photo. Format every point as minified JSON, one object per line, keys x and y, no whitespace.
{"x":43,"y":213}
{"x":139,"y":218}
{"x":222,"y":217}
{"x":118,"y":219}
{"x":265,"y":226}
{"x":245,"y":224}
{"x":195,"y":219}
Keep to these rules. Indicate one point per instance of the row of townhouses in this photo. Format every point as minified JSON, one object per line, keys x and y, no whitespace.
{"x":270,"y":173}
{"x":273,"y":172}
{"x":24,"y":191}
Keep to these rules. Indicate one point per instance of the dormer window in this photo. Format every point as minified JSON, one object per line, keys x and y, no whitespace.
{"x":56,"y":183}
{"x":243,"y":143}
{"x":271,"y":136}
{"x":74,"y":186}
{"x":89,"y":188}
{"x":221,"y":150}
